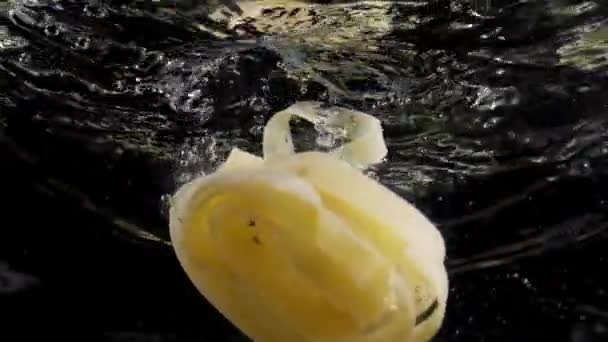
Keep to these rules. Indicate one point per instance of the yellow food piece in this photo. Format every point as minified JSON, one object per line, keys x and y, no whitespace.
{"x":300,"y":247}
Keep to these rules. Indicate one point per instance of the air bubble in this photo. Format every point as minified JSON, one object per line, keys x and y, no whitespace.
{"x":52,"y":30}
{"x":82,"y":43}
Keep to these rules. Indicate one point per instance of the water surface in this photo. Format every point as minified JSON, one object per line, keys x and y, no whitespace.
{"x":495,"y":115}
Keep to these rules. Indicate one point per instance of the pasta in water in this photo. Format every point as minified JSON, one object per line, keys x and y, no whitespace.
{"x":304,"y":247}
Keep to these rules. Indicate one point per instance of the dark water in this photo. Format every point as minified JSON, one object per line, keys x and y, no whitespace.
{"x":496,"y":116}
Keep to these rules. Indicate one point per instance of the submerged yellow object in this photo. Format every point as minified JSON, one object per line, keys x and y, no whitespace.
{"x":303,"y":247}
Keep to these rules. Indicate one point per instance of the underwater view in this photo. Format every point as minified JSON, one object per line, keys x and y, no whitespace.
{"x":494,"y":114}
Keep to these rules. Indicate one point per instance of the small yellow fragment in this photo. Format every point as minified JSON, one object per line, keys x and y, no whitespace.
{"x":304,"y":247}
